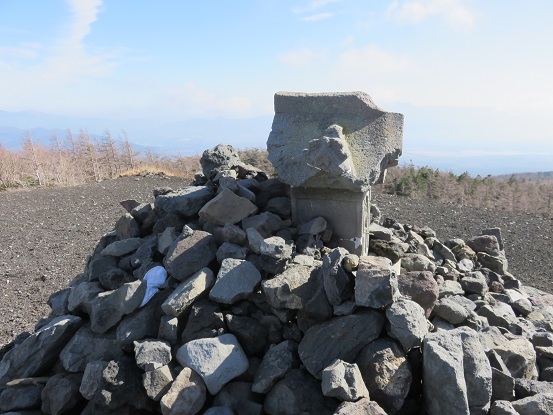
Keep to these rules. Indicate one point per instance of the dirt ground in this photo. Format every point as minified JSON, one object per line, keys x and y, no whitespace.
{"x":47,"y":234}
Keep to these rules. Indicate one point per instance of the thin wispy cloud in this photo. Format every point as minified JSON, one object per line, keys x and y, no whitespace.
{"x":303,"y":58}
{"x":415,"y":11}
{"x":314,"y":5}
{"x":317,"y":17}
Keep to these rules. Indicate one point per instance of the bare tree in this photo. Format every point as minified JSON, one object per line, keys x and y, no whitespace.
{"x":128,"y":154}
{"x":31,"y":154}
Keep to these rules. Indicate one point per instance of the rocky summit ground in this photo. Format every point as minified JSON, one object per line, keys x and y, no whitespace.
{"x":47,"y":234}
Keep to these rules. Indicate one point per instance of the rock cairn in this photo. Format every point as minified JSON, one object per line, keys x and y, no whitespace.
{"x":259,"y":317}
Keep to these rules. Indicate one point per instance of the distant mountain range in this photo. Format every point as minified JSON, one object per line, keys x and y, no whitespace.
{"x":186,"y":137}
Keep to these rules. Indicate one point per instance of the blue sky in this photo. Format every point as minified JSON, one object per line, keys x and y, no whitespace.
{"x":473,"y":78}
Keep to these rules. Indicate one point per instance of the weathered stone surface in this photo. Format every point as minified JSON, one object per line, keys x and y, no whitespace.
{"x":312,"y":227}
{"x":87,"y":346}
{"x":113,"y":384}
{"x":127,"y":227}
{"x":142,"y":324}
{"x":278,"y":361}
{"x":188,"y":291}
{"x":152,"y":354}
{"x":503,"y":408}
{"x":540,"y":404}
{"x":387,"y":373}
{"x":449,"y":287}
{"x":309,"y":149}
{"x":416,"y":262}
{"x":236,"y":280}
{"x":227,"y":207}
{"x":239,"y":397}
{"x":375,"y":282}
{"x":343,"y":381}
{"x":229,"y":233}
{"x":361,"y":407}
{"x":457,"y":376}
{"x":338,"y":283}
{"x":275,"y":247}
{"x":408,"y":324}
{"x":279,"y":206}
{"x":485,"y":243}
{"x":500,"y":314}
{"x":298,"y":393}
{"x":229,"y":250}
{"x":283,"y":291}
{"x":190,"y":253}
{"x":519,"y":357}
{"x":109,"y":307}
{"x":474,"y":283}
{"x":157,"y":382}
{"x":497,"y":264}
{"x":186,"y":202}
{"x":421,"y":287}
{"x":186,"y":396}
{"x":121,"y":248}
{"x":451,"y":311}
{"x":220,"y":157}
{"x":61,"y":393}
{"x":320,"y":345}
{"x":38,"y":352}
{"x":217,"y":360}
{"x":393,"y":250}
{"x":21,"y":397}
{"x":503,"y":385}
{"x":205,"y":321}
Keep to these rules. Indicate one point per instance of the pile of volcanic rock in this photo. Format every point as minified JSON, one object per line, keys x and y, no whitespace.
{"x":258,"y":316}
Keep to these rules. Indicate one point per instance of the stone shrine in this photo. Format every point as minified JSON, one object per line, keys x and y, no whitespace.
{"x":330,"y":148}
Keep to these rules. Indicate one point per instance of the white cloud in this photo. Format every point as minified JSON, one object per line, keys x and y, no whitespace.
{"x":372,"y":59}
{"x":24,"y":51}
{"x":317,"y":17}
{"x":415,"y":11}
{"x":303,"y":58}
{"x":314,"y":5}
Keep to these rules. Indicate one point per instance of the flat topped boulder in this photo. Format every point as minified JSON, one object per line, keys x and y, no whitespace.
{"x":338,"y":140}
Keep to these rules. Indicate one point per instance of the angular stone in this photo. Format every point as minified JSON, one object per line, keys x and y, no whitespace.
{"x":141,"y":211}
{"x":87,"y":346}
{"x":239,"y":397}
{"x":408,"y":324}
{"x":519,"y":357}
{"x":485,"y":243}
{"x":188,"y":291}
{"x":313,"y":227}
{"x":157,"y":382}
{"x":275,"y":247}
{"x":227,"y":207}
{"x":251,"y":334}
{"x":503,"y":386}
{"x":500,"y":314}
{"x":443,"y":251}
{"x":142,"y":324}
{"x":187,"y":394}
{"x":278,"y":361}
{"x":113,"y":384}
{"x":416,"y":262}
{"x":332,"y":159}
{"x":228,"y":250}
{"x":503,"y":408}
{"x":168,"y":329}
{"x":221,"y":157}
{"x":338,"y":338}
{"x":61,"y":393}
{"x":37,"y":353}
{"x":451,"y":311}
{"x":343,"y":381}
{"x":127,"y":227}
{"x":236,"y":280}
{"x":109,"y":307}
{"x":338,"y":283}
{"x":497,"y":264}
{"x":375,"y":283}
{"x":217,"y":360}
{"x":540,"y":404}
{"x":529,"y":387}
{"x":189,"y":254}
{"x":361,"y":407}
{"x":283,"y":291}
{"x":449,"y":287}
{"x":229,"y":233}
{"x":421,"y":287}
{"x":298,"y":393}
{"x":393,"y":250}
{"x":166,"y":239}
{"x":152,"y":354}
{"x":185,"y":202}
{"x":121,"y":248}
{"x":21,"y":397}
{"x":457,"y":376}
{"x":59,"y":302}
{"x":474,"y":283}
{"x":205,"y":321}
{"x":279,"y":206}
{"x":265,"y":223}
{"x":387,"y":373}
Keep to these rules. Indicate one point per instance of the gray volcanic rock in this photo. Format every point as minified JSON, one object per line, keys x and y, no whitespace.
{"x":186,"y":202}
{"x":189,"y":253}
{"x":236,"y":280}
{"x":227,"y":208}
{"x":38,"y":352}
{"x":320,"y":346}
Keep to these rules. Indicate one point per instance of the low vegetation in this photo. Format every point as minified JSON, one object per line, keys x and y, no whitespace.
{"x":80,"y":159}
{"x":525,"y":192}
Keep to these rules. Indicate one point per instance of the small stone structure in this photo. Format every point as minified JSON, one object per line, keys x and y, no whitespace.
{"x":330,"y":148}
